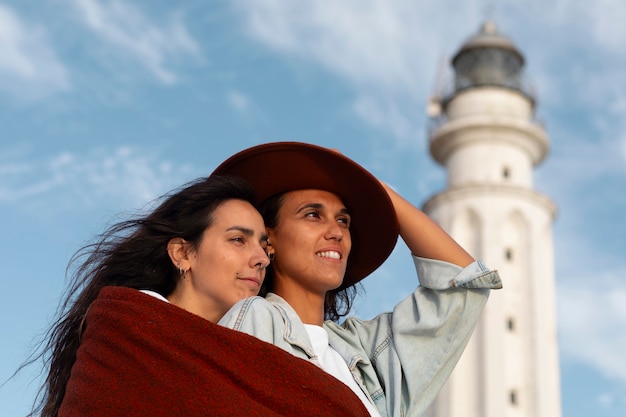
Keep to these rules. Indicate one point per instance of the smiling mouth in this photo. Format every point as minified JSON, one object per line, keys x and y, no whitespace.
{"x":329,"y":254}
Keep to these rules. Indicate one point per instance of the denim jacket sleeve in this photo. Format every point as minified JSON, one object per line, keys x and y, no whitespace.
{"x":404,"y":357}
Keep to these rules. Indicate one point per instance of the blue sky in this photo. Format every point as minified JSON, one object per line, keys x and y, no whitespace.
{"x":105,"y":105}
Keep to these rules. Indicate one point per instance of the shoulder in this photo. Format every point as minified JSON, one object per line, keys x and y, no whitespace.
{"x":247,"y":310}
{"x":258,"y":317}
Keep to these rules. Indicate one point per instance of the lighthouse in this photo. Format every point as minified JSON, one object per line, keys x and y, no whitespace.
{"x":484,"y":133}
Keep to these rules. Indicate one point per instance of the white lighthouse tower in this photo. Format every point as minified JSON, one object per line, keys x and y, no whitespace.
{"x":485,"y":135}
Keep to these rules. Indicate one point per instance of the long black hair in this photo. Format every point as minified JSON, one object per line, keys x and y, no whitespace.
{"x":132,"y":253}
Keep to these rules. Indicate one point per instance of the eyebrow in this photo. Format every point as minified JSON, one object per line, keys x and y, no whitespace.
{"x":246,"y":231}
{"x":320,"y":206}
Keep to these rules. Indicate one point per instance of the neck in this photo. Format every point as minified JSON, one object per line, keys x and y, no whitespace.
{"x":309,"y":305}
{"x":187,"y":300}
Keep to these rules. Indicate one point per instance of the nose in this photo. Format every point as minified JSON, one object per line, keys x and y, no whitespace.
{"x":334,"y":232}
{"x":259,"y":258}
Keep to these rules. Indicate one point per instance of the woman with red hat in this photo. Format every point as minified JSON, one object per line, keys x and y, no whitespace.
{"x":330,"y":224}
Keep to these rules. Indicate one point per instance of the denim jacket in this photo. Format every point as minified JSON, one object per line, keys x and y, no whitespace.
{"x":400,"y":359}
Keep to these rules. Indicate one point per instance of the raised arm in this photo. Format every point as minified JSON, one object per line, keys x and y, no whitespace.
{"x":423,"y":236}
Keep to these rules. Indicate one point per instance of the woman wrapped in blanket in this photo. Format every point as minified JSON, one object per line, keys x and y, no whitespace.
{"x":137,"y":336}
{"x":330,"y":224}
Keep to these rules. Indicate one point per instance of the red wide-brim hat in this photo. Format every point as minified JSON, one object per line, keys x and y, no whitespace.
{"x":278,"y":167}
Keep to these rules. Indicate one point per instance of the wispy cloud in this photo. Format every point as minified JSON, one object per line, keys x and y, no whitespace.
{"x":593,"y":324}
{"x":361,"y":44}
{"x":69,"y":180}
{"x":389,"y":115}
{"x":29,"y":66}
{"x":390,"y":51}
{"x":376,"y":46}
{"x":123,"y":25}
{"x":238,"y":100}
{"x":607,"y":23}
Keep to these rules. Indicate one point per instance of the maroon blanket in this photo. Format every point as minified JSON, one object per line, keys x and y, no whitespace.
{"x":140,"y":356}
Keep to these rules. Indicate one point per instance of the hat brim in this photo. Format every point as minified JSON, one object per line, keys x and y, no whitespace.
{"x":279,"y":167}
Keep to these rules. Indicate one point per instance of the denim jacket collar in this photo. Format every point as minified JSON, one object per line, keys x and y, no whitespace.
{"x":295,"y":332}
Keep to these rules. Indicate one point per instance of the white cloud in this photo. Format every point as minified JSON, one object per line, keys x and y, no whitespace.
{"x":615,"y":128}
{"x":605,"y":400}
{"x":238,"y":100}
{"x":623,"y":148}
{"x":123,"y":25}
{"x":361,"y":44}
{"x":389,"y":51}
{"x":383,"y":49}
{"x":69,"y":180}
{"x":389,"y":116}
{"x":593,"y":323}
{"x":29,"y":66}
{"x":607,"y":23}
{"x":371,"y":43}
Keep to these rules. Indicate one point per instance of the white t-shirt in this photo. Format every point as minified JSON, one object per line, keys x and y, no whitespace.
{"x":334,"y":364}
{"x":155,"y":295}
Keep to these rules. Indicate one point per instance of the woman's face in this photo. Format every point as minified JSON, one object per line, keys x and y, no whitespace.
{"x":229,"y":263}
{"x":311,"y":241}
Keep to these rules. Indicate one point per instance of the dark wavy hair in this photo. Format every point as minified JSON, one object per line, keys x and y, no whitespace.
{"x":132,"y":253}
{"x":338,"y":302}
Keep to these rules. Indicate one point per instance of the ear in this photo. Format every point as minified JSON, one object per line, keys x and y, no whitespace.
{"x":178,"y":250}
{"x":270,"y":239}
